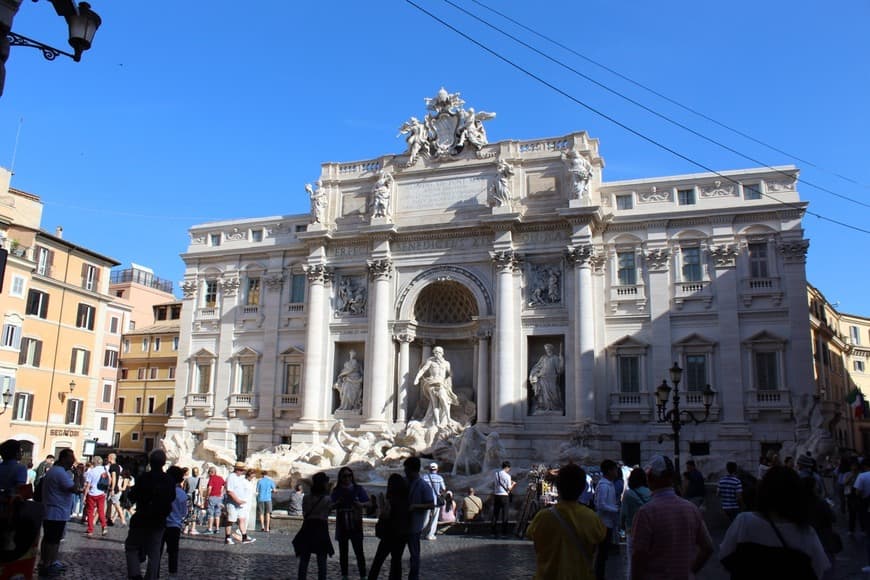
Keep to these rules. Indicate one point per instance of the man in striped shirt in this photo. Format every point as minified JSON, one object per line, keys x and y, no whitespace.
{"x":730,"y":492}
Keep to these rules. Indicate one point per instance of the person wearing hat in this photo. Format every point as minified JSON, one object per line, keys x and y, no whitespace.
{"x":237,"y":501}
{"x":669,"y":537}
{"x":436,"y":482}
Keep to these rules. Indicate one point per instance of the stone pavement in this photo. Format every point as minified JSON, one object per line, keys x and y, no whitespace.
{"x":271,"y":557}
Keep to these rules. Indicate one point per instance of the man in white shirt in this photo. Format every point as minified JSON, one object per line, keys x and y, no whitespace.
{"x":97,"y":483}
{"x":608,"y":511}
{"x":503,"y":487}
{"x":237,"y":502}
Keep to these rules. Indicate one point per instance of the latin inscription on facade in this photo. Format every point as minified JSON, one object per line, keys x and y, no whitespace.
{"x":346,"y":251}
{"x":453,"y":194}
{"x":441,"y":244}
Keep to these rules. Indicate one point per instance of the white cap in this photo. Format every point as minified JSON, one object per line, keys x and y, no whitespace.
{"x":433,"y":466}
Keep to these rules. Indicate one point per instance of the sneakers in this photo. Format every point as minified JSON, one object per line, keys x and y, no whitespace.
{"x":105,"y":532}
{"x":249,"y":540}
{"x":431,"y":538}
{"x":229,"y":541}
{"x":194,"y":533}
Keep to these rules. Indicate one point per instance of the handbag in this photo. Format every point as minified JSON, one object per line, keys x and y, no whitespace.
{"x":439,"y":497}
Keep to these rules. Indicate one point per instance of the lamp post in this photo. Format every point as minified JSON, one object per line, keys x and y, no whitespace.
{"x":678,"y":417}
{"x":81,"y":21}
{"x":7,"y":396}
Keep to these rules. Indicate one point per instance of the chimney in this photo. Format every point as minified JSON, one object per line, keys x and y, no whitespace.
{"x":58,"y":231}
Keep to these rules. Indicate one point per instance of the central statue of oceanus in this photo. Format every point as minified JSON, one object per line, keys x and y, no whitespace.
{"x":447,"y":130}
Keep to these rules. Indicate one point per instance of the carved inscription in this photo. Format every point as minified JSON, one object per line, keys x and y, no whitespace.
{"x":441,"y":244}
{"x":346,"y":251}
{"x":539,"y":237}
{"x":454,"y":194}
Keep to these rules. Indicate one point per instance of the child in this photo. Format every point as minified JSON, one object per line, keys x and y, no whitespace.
{"x":175,"y":520}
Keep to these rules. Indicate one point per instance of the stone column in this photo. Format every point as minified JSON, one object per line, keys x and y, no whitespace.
{"x":581,"y":258}
{"x":375,"y":388}
{"x":313,"y":385}
{"x":483,"y":387}
{"x":404,"y":378}
{"x":503,"y":398}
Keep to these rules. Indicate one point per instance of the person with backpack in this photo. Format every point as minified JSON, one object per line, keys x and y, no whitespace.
{"x":55,"y":492}
{"x":97,"y":482}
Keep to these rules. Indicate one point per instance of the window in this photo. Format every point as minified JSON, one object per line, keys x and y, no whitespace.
{"x":121,"y":404}
{"x":696,"y":372}
{"x":125,"y":374}
{"x":114,"y":324}
{"x":85,"y":316}
{"x":138,"y":409}
{"x":171,"y":372}
{"x":44,"y":261}
{"x":758,"y":261}
{"x":131,"y":325}
{"x":858,"y":365}
{"x":751,"y":191}
{"x":626,"y":268}
{"x":18,"y":283}
{"x":629,"y":374}
{"x":110,"y":359}
{"x":156,"y":344}
{"x":175,"y":312}
{"x":140,"y":374}
{"x":215,"y":239}
{"x":300,"y":228}
{"x":144,"y":345}
{"x":174,"y":343}
{"x":241,"y":447}
{"x":11,"y":337}
{"x":74,"y":412}
{"x":256,"y":235}
{"x":104,"y":423}
{"x":292,"y":376}
{"x":107,"y":392}
{"x":297,"y":288}
{"x":37,"y":303}
{"x":204,"y":377}
{"x":686,"y":196}
{"x":691,"y":264}
{"x":90,"y":277}
{"x":126,"y":345}
{"x":624,"y":202}
{"x":855,"y":335}
{"x":161,"y":312}
{"x":22,"y":408}
{"x":210,"y":293}
{"x":30,"y":353}
{"x":153,"y":373}
{"x":766,"y":371}
{"x":80,"y":361}
{"x":246,"y":378}
{"x":170,"y":403}
{"x":134,"y":436}
{"x":252,"y":296}
{"x":151,"y":404}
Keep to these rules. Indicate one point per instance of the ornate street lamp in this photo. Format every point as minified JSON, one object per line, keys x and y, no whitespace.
{"x":81,"y":21}
{"x":678,"y":417}
{"x":7,"y":396}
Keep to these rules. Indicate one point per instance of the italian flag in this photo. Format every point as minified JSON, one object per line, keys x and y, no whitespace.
{"x":856,"y":400}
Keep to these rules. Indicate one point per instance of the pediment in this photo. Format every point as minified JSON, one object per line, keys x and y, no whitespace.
{"x":765,"y":337}
{"x":628,"y":342}
{"x":203,"y":353}
{"x":295,"y":350}
{"x":246,"y":352}
{"x":696,"y":339}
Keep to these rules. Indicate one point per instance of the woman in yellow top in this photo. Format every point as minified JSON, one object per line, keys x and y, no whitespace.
{"x":567,"y":534}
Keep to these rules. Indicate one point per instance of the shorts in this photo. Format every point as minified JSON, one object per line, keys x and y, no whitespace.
{"x":214,"y":506}
{"x":234,"y":512}
{"x":52,"y":531}
{"x":264,"y":507}
{"x":115,"y":498}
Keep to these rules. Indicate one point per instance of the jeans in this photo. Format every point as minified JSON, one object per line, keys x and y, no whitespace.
{"x":97,"y":502}
{"x":171,"y":536}
{"x":357,"y":541}
{"x":78,"y":501}
{"x":143,"y":542}
{"x":432,"y":522}
{"x":414,"y":553}
{"x":500,"y":507}
{"x":394,"y":548}
{"x":303,"y":566}
{"x":601,"y":556}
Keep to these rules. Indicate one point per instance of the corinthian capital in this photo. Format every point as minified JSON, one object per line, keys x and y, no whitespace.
{"x":657,"y":259}
{"x":318,"y":273}
{"x":188,"y":287}
{"x":380,"y":269}
{"x":794,"y":251}
{"x":229,"y":286}
{"x":505,"y":260}
{"x":581,"y":256}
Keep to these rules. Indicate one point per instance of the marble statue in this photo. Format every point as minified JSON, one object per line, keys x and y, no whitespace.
{"x":318,"y":202}
{"x":580,"y":171}
{"x":493,"y":452}
{"x":470,"y":449}
{"x":471,"y":128}
{"x":417,"y":138}
{"x":437,"y":378}
{"x":546,"y":386}
{"x":349,"y":384}
{"x":382,"y":195}
{"x":578,"y":448}
{"x":500,"y":193}
{"x":351,"y":299}
{"x":545,"y":285}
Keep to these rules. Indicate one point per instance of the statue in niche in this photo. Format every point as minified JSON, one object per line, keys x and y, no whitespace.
{"x":417,"y":138}
{"x":382,"y":194}
{"x":318,"y":202}
{"x":349,"y":384}
{"x":437,"y":378}
{"x":500,"y":192}
{"x":545,"y":286}
{"x":545,"y":380}
{"x":351,"y":297}
{"x":580,"y":171}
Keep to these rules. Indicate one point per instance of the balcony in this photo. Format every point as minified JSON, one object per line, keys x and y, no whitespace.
{"x":752,"y":288}
{"x":773,"y":401}
{"x":142,"y":277}
{"x":245,"y":402}
{"x":633,"y":296}
{"x":198,"y":402}
{"x":207,"y":313}
{"x":286,"y":403}
{"x":700,"y":290}
{"x":632,"y":404}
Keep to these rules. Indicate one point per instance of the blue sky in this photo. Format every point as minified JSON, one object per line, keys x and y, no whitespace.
{"x":196,"y":111}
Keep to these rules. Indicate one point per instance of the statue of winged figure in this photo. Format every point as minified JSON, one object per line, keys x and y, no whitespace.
{"x":417,"y":138}
{"x":471,"y":128}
